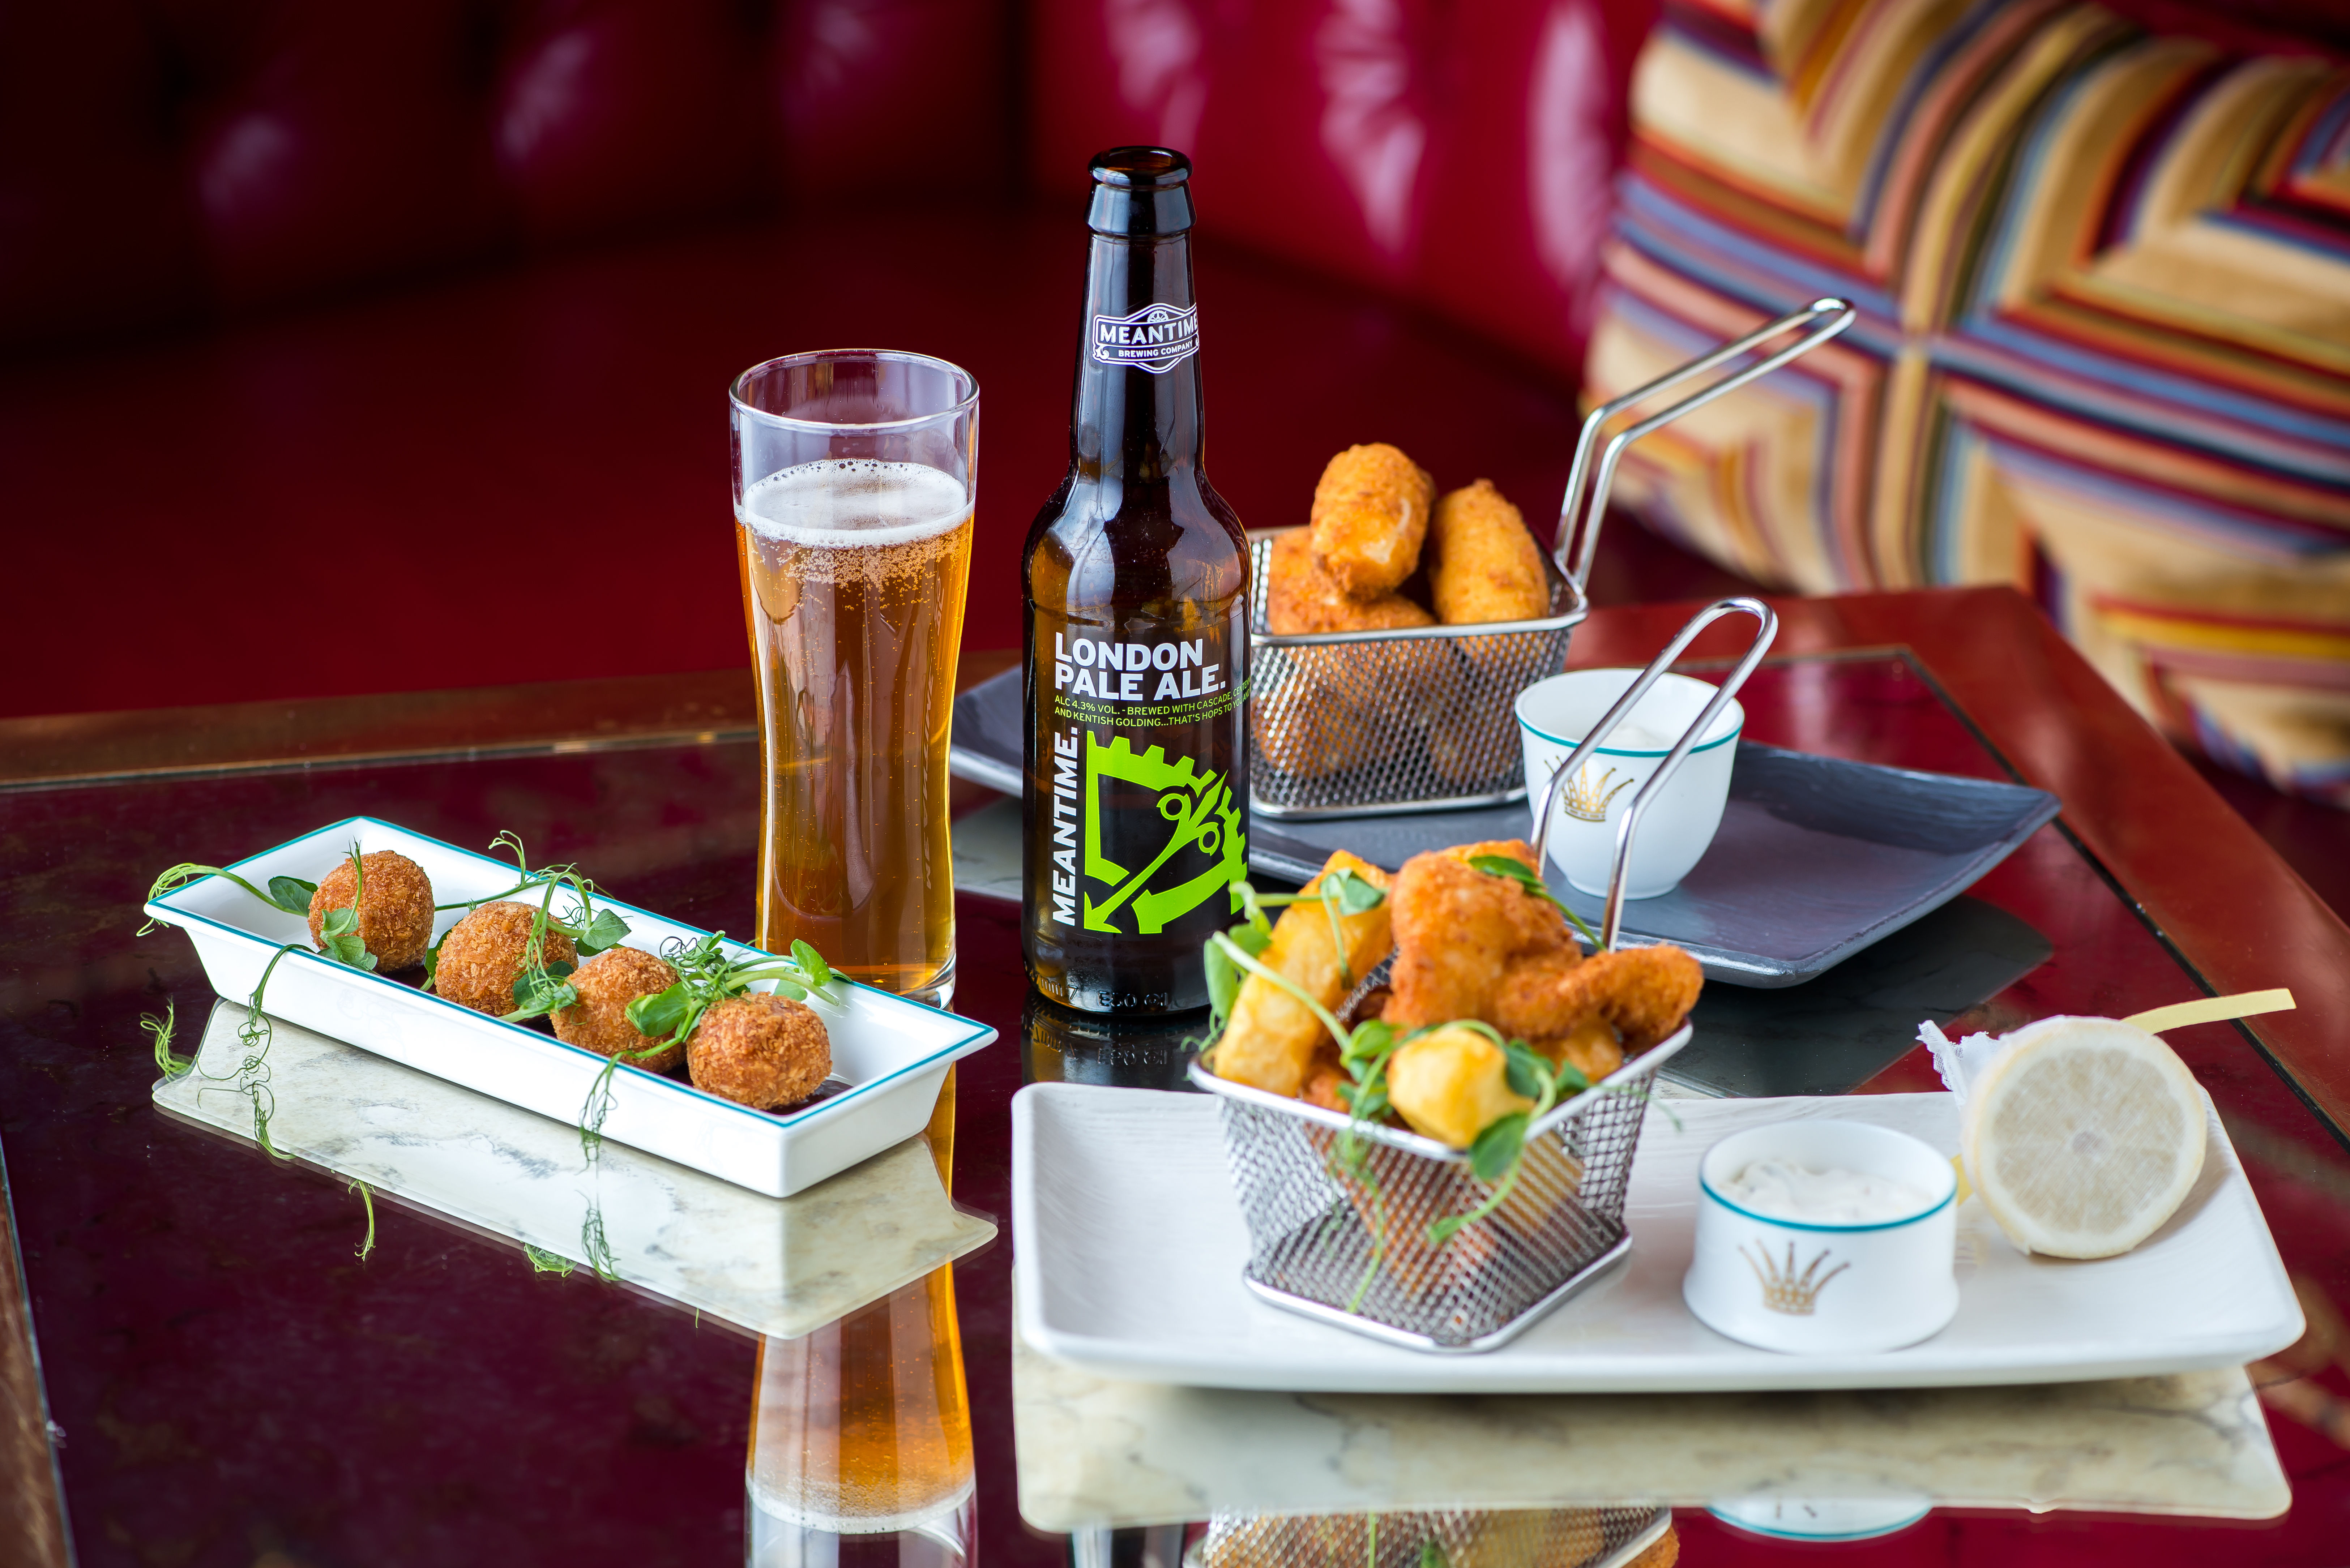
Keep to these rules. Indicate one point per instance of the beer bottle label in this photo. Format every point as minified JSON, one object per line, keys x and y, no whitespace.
{"x":1141,"y":823}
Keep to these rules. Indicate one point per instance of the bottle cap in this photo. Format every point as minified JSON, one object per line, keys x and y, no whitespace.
{"x":1140,"y":193}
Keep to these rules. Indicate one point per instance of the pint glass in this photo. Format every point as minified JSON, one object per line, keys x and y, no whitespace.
{"x":855,"y":472}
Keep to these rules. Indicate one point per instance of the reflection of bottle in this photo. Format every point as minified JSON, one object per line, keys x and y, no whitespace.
{"x":863,"y":1428}
{"x":1060,"y":1044}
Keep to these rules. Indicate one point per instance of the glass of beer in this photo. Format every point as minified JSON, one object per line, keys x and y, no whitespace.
{"x":855,"y":472}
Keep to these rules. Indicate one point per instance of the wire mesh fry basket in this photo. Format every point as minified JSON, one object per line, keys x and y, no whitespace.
{"x":1339,"y":1214}
{"x":1357,"y":724}
{"x":1603,"y":1537}
{"x":1344,"y":1216}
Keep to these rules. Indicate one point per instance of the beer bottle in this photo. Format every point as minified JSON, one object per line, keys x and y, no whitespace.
{"x":1135,"y":579}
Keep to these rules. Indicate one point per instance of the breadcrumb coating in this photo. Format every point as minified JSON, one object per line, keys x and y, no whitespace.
{"x":759,"y":1050}
{"x":1370,"y":513}
{"x":482,"y":956}
{"x":395,"y":916}
{"x":599,"y":1020}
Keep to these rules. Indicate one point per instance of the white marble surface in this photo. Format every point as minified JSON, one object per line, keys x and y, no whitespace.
{"x":1095,"y":1452}
{"x":772,"y":1265}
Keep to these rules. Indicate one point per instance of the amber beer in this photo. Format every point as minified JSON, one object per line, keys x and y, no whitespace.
{"x":1137,"y":595}
{"x":864,"y":1425}
{"x":854,"y":563}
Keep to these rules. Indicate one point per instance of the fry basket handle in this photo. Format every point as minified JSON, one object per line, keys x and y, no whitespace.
{"x":1577,"y":521}
{"x":1766,"y":629}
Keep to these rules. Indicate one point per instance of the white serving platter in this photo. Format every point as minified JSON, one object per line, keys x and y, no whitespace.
{"x":892,"y":1052}
{"x":1129,"y":1246}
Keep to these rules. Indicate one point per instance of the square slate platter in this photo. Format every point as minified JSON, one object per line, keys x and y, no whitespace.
{"x":1816,"y":857}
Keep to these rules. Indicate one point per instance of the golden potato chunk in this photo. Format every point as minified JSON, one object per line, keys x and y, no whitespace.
{"x":1271,"y":1039}
{"x":1451,"y":1084}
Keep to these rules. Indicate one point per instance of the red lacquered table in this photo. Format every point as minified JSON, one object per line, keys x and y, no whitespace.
{"x":228,"y":1384}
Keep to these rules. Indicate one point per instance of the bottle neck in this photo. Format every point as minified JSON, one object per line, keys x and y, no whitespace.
{"x":1137,"y":415}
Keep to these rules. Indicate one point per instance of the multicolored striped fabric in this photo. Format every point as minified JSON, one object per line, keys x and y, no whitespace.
{"x":2103,"y":346}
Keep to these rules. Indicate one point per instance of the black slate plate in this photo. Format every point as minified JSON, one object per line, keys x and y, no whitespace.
{"x":1815,"y":858}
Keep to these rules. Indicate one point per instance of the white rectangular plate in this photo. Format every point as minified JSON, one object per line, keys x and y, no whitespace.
{"x":1129,"y":1246}
{"x":892,"y":1053}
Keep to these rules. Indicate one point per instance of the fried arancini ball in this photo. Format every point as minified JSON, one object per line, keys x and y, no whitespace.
{"x":1370,"y":513}
{"x":482,"y":956}
{"x":395,"y":913}
{"x":759,"y":1050}
{"x":1482,"y":565}
{"x":599,"y":1020}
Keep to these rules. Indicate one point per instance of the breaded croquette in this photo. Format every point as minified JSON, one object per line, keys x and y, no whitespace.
{"x":1343,"y":715}
{"x":1271,"y":1040}
{"x":1482,"y":565}
{"x":599,"y":1020}
{"x":1457,"y":929}
{"x":395,"y":906}
{"x":1370,"y":513}
{"x":1448,"y":1085}
{"x":1300,"y":597}
{"x":759,"y":1050}
{"x":482,"y":956}
{"x":1643,"y":993}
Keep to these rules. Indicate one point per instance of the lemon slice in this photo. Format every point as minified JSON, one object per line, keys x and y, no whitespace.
{"x":2082,"y":1136}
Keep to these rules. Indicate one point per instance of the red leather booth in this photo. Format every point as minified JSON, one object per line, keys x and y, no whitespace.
{"x":348,"y":350}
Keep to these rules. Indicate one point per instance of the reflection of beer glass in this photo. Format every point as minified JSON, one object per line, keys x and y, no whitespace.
{"x":855,"y":472}
{"x":863,"y":1429}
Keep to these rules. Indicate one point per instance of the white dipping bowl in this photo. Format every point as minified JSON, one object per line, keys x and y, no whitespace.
{"x":1555,"y":715}
{"x":1815,"y":1289}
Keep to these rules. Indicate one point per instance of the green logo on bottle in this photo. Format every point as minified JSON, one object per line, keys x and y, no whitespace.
{"x":1202,"y":814}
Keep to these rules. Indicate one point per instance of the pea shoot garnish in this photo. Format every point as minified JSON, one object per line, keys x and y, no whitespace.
{"x":706,"y":975}
{"x":290,"y":894}
{"x":1513,"y":869}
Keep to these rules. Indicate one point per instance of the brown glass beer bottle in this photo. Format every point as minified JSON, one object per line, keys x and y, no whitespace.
{"x":1137,"y":586}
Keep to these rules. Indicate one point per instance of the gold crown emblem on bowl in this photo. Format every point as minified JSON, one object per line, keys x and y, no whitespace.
{"x":1783,"y":1290}
{"x":1587,"y":797}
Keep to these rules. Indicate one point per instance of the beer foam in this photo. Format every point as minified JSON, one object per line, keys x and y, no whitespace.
{"x":853,"y":502}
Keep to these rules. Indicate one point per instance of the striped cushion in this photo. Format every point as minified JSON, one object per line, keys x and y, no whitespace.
{"x":2104,"y":350}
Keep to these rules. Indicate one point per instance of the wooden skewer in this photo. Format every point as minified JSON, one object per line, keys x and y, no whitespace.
{"x":2211,"y":1010}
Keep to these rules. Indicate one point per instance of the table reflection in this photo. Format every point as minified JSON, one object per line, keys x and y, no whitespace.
{"x":861,"y":1451}
{"x":1630,"y":1536}
{"x":1061,"y":1045}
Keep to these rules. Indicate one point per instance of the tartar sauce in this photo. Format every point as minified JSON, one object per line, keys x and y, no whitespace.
{"x":1781,"y":1190}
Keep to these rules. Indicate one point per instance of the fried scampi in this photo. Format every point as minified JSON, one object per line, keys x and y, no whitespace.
{"x":1485,"y":964}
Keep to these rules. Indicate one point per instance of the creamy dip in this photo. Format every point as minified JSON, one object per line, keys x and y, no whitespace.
{"x":1632,"y":735}
{"x":1779,"y":1189}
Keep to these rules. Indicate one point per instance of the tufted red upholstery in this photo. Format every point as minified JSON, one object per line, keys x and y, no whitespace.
{"x":1459,"y":154}
{"x":454,"y":287}
{"x":166,"y":162}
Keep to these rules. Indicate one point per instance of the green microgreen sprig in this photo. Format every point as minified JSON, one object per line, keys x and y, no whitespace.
{"x":1341,"y":893}
{"x":339,"y":929}
{"x":706,"y":975}
{"x":168,"y":1061}
{"x":367,"y":1197}
{"x":290,"y":894}
{"x":1511,"y":868}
